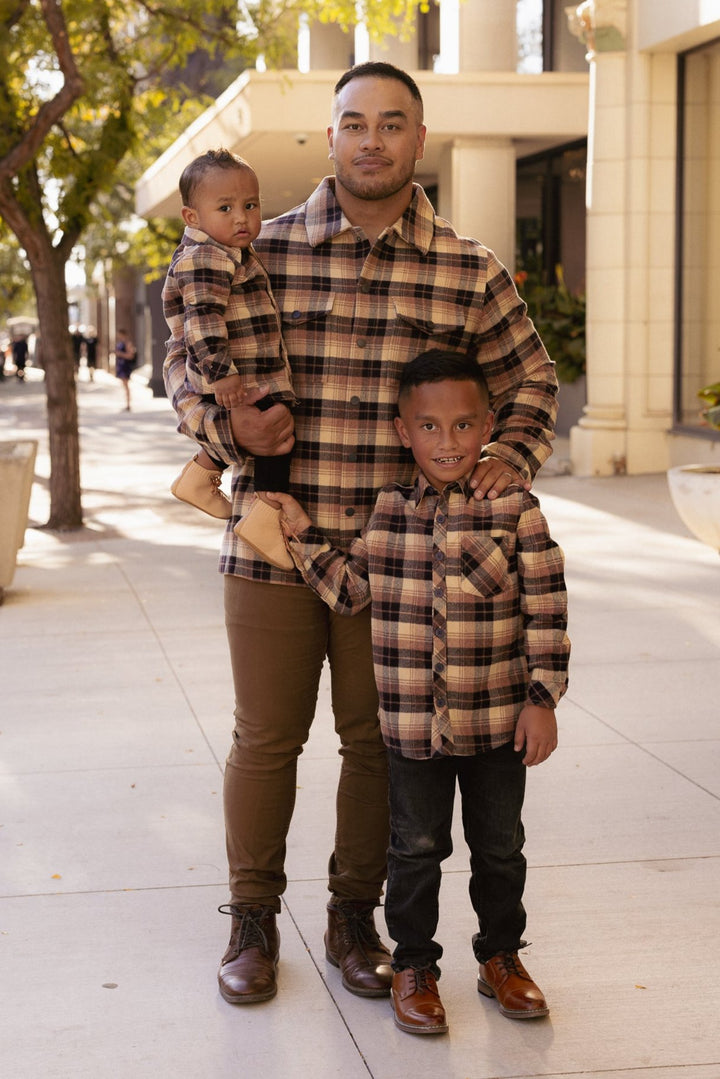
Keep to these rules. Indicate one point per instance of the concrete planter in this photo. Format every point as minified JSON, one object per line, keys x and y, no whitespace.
{"x":572,"y":398}
{"x":17,"y":469}
{"x":695,"y":491}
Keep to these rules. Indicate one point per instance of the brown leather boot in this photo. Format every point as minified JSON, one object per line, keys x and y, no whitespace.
{"x":352,"y":944}
{"x":248,"y":970}
{"x":416,"y":1002}
{"x":505,"y":978}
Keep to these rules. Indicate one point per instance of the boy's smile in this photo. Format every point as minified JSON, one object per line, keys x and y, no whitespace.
{"x":445,"y":424}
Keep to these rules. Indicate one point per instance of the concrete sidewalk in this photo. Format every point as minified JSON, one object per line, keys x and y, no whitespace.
{"x":116,"y":718}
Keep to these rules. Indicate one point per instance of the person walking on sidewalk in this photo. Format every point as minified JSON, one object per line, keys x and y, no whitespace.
{"x":469,"y":618}
{"x":366,"y":276}
{"x":217,"y":300}
{"x":125,"y":363}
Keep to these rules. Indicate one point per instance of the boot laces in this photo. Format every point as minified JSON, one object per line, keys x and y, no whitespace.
{"x":358,"y":927}
{"x":510,"y":963}
{"x":250,"y":931}
{"x":422,"y":981}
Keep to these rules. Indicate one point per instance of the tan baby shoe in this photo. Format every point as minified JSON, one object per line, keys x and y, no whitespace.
{"x":260,"y":528}
{"x":200,"y":487}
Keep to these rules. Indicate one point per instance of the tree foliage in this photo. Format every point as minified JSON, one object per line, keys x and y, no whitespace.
{"x":89,"y":87}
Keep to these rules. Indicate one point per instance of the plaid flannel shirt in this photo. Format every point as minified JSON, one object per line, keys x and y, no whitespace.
{"x":218,"y":301}
{"x":352,"y":315}
{"x":469,"y":612}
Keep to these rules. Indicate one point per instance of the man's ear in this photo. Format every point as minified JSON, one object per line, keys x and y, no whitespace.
{"x":400,"y":428}
{"x":331,"y":152}
{"x":189,"y":216}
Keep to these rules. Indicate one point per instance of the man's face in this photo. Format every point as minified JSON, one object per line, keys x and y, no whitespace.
{"x":376,"y":137}
{"x":445,"y":424}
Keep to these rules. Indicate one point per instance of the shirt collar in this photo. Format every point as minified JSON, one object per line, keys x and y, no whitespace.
{"x":324,"y":218}
{"x":193,"y":236}
{"x":423,"y":488}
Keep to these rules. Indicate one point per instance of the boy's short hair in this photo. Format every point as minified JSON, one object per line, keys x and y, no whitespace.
{"x":436,"y":365}
{"x":380,"y":69}
{"x":194,"y":173}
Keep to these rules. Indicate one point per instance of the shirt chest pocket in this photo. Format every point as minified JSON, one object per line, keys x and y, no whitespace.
{"x":430,"y":319}
{"x":417,"y":327}
{"x":483,"y":565}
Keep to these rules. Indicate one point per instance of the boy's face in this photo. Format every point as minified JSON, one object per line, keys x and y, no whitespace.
{"x":445,"y":424}
{"x":226,"y":205}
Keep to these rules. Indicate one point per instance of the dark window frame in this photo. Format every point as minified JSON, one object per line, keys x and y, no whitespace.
{"x":678,"y":426}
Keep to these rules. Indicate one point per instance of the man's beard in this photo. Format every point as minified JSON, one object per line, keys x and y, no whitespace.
{"x":373,"y":189}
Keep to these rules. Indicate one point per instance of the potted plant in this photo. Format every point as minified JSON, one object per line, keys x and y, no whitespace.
{"x":559,"y":317}
{"x":695,"y":489}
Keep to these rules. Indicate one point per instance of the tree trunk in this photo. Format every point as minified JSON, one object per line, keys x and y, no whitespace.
{"x":59,"y":364}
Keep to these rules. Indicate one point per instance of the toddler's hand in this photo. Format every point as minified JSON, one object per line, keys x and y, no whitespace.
{"x":229,"y":391}
{"x":293,"y":517}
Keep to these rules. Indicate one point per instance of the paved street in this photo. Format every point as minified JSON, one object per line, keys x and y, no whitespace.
{"x":114,"y":724}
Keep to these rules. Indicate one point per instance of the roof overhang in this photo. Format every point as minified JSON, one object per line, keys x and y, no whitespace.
{"x":278,"y":121}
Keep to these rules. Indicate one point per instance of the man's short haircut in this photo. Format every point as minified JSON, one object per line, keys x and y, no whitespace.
{"x":194,"y":173}
{"x":379,"y":69}
{"x":437,"y":365}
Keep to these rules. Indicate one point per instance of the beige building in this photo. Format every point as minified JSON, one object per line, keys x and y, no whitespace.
{"x":509,"y":104}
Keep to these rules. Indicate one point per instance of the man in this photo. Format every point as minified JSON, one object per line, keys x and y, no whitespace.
{"x":365,"y":277}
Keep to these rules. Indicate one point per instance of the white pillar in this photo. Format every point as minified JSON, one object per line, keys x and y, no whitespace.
{"x":488,"y":37}
{"x":477,"y":192}
{"x":477,"y":35}
{"x":598,"y":444}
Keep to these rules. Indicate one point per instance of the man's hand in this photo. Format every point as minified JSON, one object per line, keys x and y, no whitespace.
{"x":264,"y":434}
{"x":492,"y":476}
{"x":536,"y":733}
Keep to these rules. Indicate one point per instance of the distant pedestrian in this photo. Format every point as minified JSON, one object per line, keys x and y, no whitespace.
{"x":77,"y":343}
{"x":20,"y":355}
{"x":125,"y":362}
{"x":91,"y":342}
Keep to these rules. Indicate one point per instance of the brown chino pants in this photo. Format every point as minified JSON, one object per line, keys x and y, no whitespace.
{"x":279,"y":637}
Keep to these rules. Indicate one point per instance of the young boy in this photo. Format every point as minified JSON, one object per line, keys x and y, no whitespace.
{"x":218,"y":298}
{"x":470,"y":654}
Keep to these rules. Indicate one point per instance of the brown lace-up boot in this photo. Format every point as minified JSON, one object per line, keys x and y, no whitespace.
{"x":248,"y":970}
{"x":352,"y":944}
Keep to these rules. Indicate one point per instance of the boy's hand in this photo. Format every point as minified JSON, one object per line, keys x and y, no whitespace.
{"x":492,"y":476}
{"x":293,"y":517}
{"x":229,"y":391}
{"x":536,"y":732}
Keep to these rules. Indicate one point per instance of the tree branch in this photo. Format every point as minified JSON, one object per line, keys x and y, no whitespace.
{"x":51,"y":111}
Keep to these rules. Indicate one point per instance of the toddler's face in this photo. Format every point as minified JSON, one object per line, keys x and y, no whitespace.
{"x":226,"y":205}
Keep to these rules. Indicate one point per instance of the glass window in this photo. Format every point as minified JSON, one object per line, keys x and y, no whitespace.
{"x":697,"y":354}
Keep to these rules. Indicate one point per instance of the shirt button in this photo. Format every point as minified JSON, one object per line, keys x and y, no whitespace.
{"x":361,"y":342}
{"x":352,"y":457}
{"x":350,"y":512}
{"x":295,"y":314}
{"x":439,"y":667}
{"x":355,"y":400}
{"x":364,"y":286}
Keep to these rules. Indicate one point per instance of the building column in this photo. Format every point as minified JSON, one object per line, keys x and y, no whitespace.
{"x":598,"y":444}
{"x":477,"y":36}
{"x":476,"y":189}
